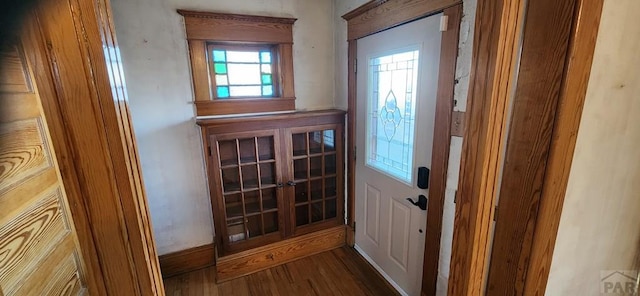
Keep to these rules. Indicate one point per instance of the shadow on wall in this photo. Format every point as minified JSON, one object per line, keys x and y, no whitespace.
{"x":168,"y":186}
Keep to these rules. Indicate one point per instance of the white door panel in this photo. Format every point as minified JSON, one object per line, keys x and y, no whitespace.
{"x":372,"y":215}
{"x":399,"y":238}
{"x":396,"y":96}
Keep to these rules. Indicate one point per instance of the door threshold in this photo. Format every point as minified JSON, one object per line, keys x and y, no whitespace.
{"x":379,"y":270}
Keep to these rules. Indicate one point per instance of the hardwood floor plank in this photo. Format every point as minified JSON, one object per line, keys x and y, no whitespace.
{"x":262,"y":284}
{"x":338,"y":272}
{"x":343,"y":282}
{"x":240,"y":287}
{"x":210,"y":287}
{"x":363,"y":273}
{"x":315,"y":272}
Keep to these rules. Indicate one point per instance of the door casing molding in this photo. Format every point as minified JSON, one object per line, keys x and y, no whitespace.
{"x":73,"y":42}
{"x":497,"y":44}
{"x":582,"y":45}
{"x":379,"y":15}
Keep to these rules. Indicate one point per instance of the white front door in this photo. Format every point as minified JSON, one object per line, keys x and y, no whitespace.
{"x":397,"y":74}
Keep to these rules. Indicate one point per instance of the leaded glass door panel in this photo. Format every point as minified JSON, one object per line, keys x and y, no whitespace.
{"x":316,"y":172}
{"x":250,"y":188}
{"x":396,"y":95}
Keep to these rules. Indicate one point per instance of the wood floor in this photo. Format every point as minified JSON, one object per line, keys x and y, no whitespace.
{"x":338,"y":272}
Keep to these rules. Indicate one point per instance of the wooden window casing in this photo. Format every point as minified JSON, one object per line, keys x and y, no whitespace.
{"x":207,"y":29}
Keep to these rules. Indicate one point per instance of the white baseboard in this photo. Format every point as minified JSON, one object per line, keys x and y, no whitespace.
{"x":379,"y":269}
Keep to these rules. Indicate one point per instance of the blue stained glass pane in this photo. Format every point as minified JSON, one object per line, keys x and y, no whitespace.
{"x":220,"y":68}
{"x":265,"y":56}
{"x":266,"y":79}
{"x":219,"y":56}
{"x":223,"y":92}
{"x":267,"y":90}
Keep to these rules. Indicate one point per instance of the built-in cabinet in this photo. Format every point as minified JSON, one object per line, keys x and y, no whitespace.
{"x":274,"y":177}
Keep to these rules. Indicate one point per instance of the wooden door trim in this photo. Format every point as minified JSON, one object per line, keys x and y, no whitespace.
{"x":503,"y":20}
{"x":37,"y":56}
{"x":379,"y":15}
{"x":95,"y":145}
{"x":545,"y":44}
{"x":441,"y":148}
{"x":495,"y":49}
{"x":563,"y":141}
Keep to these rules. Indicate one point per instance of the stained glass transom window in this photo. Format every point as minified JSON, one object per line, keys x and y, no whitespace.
{"x":391,"y":114}
{"x":243,"y":73}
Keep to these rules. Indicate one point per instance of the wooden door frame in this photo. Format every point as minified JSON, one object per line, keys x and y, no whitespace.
{"x":379,"y":15}
{"x":72,"y":43}
{"x":563,"y":142}
{"x":497,"y":45}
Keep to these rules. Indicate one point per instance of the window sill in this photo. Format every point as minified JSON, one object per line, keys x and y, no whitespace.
{"x":240,"y":106}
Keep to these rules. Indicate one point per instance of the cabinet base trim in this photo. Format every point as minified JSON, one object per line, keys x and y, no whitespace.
{"x":247,"y":262}
{"x":187,"y":260}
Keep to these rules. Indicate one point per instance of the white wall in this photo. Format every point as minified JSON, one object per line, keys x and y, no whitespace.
{"x":462,"y":74}
{"x":156,"y":65}
{"x":600,"y":223}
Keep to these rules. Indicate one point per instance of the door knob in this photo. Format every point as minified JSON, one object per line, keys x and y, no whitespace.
{"x":291,"y":183}
{"x":421,"y":203}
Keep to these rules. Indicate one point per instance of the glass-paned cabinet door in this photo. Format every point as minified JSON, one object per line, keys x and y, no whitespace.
{"x":249,"y":196}
{"x":315,"y":173}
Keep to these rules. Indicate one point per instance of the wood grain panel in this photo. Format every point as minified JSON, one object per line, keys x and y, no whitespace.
{"x":55,"y":272}
{"x":200,"y":70}
{"x":225,"y":107}
{"x":18,"y":198}
{"x":72,"y":44}
{"x":271,"y":121}
{"x":495,"y":49}
{"x":240,"y":264}
{"x":542,"y":61}
{"x":187,"y":260}
{"x":65,"y":280}
{"x":19,"y":106}
{"x":23,"y":152}
{"x":378,"y":15}
{"x":569,"y":111}
{"x":36,"y":53}
{"x":30,"y":238}
{"x":230,"y":27}
{"x":14,"y":77}
{"x":35,"y":227}
{"x":285,"y":59}
{"x":93,"y":133}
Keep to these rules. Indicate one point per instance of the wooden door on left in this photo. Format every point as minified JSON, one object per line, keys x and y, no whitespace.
{"x":39,"y":249}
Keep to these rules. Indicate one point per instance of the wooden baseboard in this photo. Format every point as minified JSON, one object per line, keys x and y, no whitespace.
{"x":247,"y":262}
{"x":187,"y":260}
{"x":351,"y":236}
